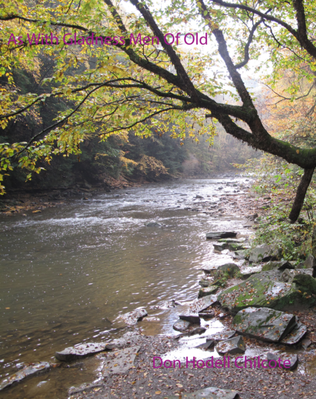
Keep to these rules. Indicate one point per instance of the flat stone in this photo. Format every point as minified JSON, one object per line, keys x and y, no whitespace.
{"x":27,"y":371}
{"x":181,"y":325}
{"x":292,"y":361}
{"x":133,"y":317}
{"x":153,"y":224}
{"x":207,"y":345}
{"x":80,"y":350}
{"x":119,"y":362}
{"x":209,"y":393}
{"x":215,"y":235}
{"x":296,"y":334}
{"x":203,"y":303}
{"x":231,"y":346}
{"x":264,"y":323}
{"x":221,"y":335}
{"x":306,"y":343}
{"x":264,"y":252}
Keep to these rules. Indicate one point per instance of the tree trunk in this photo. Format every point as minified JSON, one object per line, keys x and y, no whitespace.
{"x":300,"y":194}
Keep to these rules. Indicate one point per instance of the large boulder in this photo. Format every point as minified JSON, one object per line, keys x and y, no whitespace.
{"x":268,"y":289}
{"x":269,"y":325}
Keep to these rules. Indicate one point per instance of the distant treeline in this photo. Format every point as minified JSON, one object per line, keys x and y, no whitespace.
{"x":135,"y":158}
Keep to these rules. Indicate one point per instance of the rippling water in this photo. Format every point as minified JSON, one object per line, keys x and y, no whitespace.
{"x":67,"y":272}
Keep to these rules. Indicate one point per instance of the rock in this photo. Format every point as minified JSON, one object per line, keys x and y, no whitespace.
{"x":233,"y":240}
{"x":201,"y":304}
{"x":309,"y":261}
{"x":208,"y":393}
{"x":205,"y":283}
{"x":181,"y":325}
{"x":289,"y":275}
{"x":305,"y":282}
{"x":80,"y":351}
{"x":296,"y":334}
{"x":231,"y":346}
{"x":153,"y":224}
{"x":131,"y":337}
{"x":207,"y":345}
{"x":230,"y":245}
{"x":241,"y":254}
{"x":191,"y":318}
{"x":219,"y":246}
{"x":231,"y":269}
{"x":207,"y":291}
{"x":221,"y":335}
{"x":222,"y":234}
{"x":120,"y":361}
{"x":268,"y":289}
{"x":167,"y":304}
{"x":83,"y":387}
{"x":264,"y":323}
{"x":32,"y":369}
{"x":280,"y":265}
{"x":207,"y":313}
{"x":133,"y":317}
{"x":199,"y":330}
{"x":264,"y":252}
{"x":292,"y":361}
{"x":248,"y":271}
{"x":306,"y":343}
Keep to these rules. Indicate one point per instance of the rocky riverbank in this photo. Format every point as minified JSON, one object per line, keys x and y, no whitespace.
{"x":139,"y":366}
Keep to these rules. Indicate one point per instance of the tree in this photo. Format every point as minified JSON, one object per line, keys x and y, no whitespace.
{"x":141,"y":78}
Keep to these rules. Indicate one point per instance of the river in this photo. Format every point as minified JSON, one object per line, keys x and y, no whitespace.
{"x":67,"y":272}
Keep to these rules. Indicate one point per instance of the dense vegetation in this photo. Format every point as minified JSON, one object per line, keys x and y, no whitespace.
{"x":121,"y":71}
{"x":134,"y":158}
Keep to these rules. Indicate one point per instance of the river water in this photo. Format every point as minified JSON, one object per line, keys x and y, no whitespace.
{"x":67,"y":272}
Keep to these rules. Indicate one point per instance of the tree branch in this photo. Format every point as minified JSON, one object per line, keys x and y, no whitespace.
{"x":189,"y":87}
{"x":246,"y":51}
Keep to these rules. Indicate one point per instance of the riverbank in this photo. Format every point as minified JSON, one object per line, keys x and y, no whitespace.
{"x":127,"y":223}
{"x":23,"y":202}
{"x":145,"y":381}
